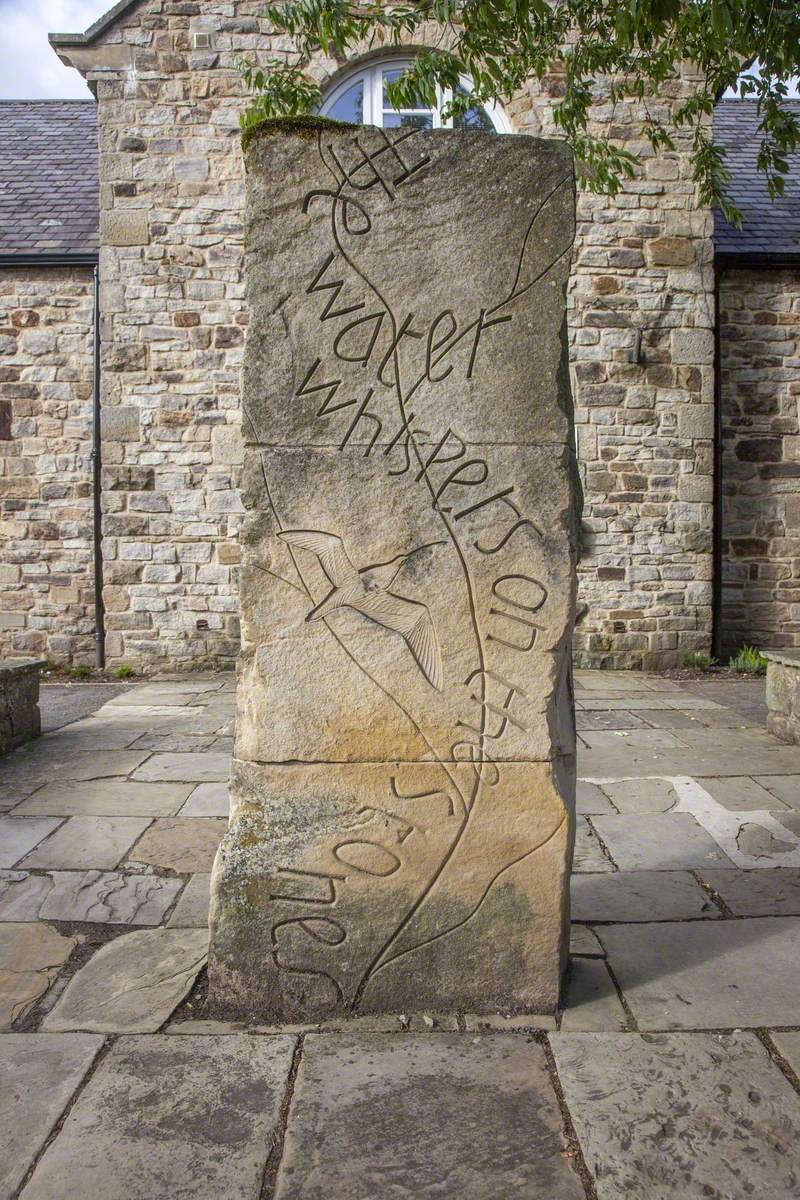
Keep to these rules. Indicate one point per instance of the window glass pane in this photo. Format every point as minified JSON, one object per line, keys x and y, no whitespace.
{"x":390,"y":77}
{"x":476,"y":118}
{"x":417,"y":120}
{"x":350,"y":106}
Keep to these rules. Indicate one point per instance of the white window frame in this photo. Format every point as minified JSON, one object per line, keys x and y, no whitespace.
{"x":372,"y":76}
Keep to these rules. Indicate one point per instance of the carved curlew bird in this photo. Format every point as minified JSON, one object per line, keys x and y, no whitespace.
{"x":367,"y":591}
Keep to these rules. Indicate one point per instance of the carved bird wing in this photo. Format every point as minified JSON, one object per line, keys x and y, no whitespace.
{"x":330,"y":551}
{"x":413,"y":621}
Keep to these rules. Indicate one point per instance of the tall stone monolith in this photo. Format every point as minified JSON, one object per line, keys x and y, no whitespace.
{"x":402,"y":787}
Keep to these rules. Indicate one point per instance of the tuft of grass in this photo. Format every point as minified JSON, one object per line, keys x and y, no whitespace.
{"x":698,"y":660}
{"x":81,"y":672}
{"x":749,"y":661}
{"x":124,"y":672}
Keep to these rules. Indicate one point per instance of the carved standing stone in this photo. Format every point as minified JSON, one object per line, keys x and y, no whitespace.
{"x":402,"y":789}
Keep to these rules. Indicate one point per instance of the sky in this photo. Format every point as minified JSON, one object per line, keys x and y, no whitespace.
{"x":29,"y":67}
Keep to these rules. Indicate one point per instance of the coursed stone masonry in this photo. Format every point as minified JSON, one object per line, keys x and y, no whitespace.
{"x":46,"y":581}
{"x":171,"y":270}
{"x":403,"y":786}
{"x":760,"y":388}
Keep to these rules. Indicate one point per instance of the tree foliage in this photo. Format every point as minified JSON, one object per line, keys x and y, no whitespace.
{"x":636,"y":47}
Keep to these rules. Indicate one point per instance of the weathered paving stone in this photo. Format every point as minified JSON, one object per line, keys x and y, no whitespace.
{"x":785,"y":787}
{"x":787,"y":1043}
{"x":590,"y":998}
{"x":183,"y":844}
{"x":191,"y":911}
{"x":641,"y":795}
{"x":87,"y":842}
{"x":133,"y":984}
{"x":680,"y":1115}
{"x":30,"y":956}
{"x":110,"y":897}
{"x":409,"y":745}
{"x":107,"y":798}
{"x":199,"y":767}
{"x":39,"y":1072}
{"x":367,"y":1121}
{"x":590,"y":800}
{"x":22,"y":894}
{"x":659,"y":842}
{"x":189,"y":1117}
{"x":29,"y":768}
{"x":584,"y":942}
{"x":18,"y":835}
{"x":640,"y":896}
{"x":708,"y":974}
{"x":741,"y":794}
{"x":588,"y":856}
{"x":207,"y":800}
{"x":772,"y":893}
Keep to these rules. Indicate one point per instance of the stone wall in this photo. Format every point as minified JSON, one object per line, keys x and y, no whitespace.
{"x":171,"y":271}
{"x":20,"y":718}
{"x":46,"y":581}
{"x":760,"y":385}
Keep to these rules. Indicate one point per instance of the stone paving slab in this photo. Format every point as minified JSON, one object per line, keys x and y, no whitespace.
{"x":188,"y":1118}
{"x":208,"y":800}
{"x":739,"y":793}
{"x":787,"y":1043}
{"x":590,"y":999}
{"x":688,"y":1116}
{"x":785,"y":787}
{"x":589,"y":854}
{"x":659,"y":842}
{"x":30,"y":956}
{"x":641,"y":795}
{"x":708,"y":974}
{"x":590,"y":800}
{"x":85,"y":843}
{"x":632,"y":896}
{"x":133,"y":984}
{"x":19,"y":835}
{"x":605,"y":719}
{"x":773,"y":893}
{"x":191,"y":911}
{"x":22,"y":895}
{"x":109,"y":897}
{"x":178,"y":768}
{"x":106,"y":798}
{"x":181,"y":844}
{"x":417,"y":1116}
{"x":584,"y":941}
{"x":38,"y":1075}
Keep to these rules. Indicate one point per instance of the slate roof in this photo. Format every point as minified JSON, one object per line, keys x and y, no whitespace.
{"x":771,"y":228}
{"x":49,"y":185}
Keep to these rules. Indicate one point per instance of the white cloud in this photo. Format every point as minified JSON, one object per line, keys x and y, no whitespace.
{"x":29,"y":67}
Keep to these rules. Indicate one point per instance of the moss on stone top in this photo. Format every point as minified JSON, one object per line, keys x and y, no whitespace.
{"x":306,"y":125}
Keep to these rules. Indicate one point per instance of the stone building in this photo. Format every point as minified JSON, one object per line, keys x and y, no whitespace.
{"x":683,"y":543}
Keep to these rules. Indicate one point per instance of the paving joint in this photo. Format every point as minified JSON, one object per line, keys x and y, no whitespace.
{"x":269,"y":1182}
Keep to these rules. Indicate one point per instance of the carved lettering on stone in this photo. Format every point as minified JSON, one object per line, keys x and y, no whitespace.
{"x":403,"y":775}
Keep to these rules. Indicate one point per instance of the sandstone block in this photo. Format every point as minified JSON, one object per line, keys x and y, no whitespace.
{"x":403,"y":787}
{"x":124,"y":227}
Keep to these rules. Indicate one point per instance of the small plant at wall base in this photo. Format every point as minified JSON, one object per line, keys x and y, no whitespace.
{"x":749,"y":661}
{"x":698,"y":661}
{"x":638,"y":47}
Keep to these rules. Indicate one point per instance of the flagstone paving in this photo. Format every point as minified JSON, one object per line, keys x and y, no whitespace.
{"x":672,"y":1070}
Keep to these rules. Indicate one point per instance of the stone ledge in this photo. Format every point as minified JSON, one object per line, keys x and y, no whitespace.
{"x":20,"y":720}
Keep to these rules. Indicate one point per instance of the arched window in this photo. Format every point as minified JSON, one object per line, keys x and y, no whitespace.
{"x":361,"y":97}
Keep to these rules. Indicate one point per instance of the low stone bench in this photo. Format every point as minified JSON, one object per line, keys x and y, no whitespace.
{"x":20,"y":719}
{"x":783,"y":693}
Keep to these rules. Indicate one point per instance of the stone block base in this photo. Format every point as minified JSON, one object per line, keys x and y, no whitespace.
{"x":346,"y":889}
{"x":783,"y":694}
{"x":20,"y":720}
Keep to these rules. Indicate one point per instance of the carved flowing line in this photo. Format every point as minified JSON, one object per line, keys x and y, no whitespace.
{"x":401,"y":401}
{"x":481,"y":653}
{"x":489,"y":886}
{"x":513,"y":294}
{"x":326,"y":621}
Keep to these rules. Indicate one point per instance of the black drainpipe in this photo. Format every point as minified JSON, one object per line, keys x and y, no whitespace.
{"x":97,"y":531}
{"x":716,"y":527}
